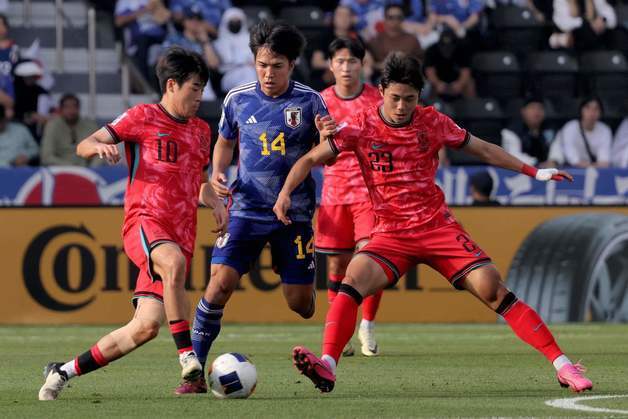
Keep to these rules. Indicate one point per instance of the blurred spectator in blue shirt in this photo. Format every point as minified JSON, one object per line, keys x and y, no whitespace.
{"x":144,"y":26}
{"x":460,"y":16}
{"x":8,"y":57}
{"x":17,"y":145}
{"x":195,"y":38}
{"x":418,"y":24}
{"x":367,"y":14}
{"x":211,"y":10}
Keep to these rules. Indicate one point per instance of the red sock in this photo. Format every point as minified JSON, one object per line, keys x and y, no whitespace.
{"x":370,"y":306}
{"x":180,"y":330}
{"x":531,"y":329}
{"x":339,"y":324}
{"x":332,"y":286}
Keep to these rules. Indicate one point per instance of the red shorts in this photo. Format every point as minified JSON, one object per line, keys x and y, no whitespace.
{"x":447,"y":249}
{"x":139,"y":239}
{"x":340,"y":227}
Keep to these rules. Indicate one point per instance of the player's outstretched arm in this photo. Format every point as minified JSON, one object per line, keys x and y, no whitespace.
{"x":100,"y":144}
{"x":496,"y":156}
{"x":318,"y":155}
{"x":223,"y":154}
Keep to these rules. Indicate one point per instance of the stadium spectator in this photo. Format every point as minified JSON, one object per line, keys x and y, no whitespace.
{"x":584,"y":142}
{"x":237,"y":64}
{"x":393,"y":37}
{"x":448,"y":68}
{"x":8,"y":57}
{"x":195,"y":38}
{"x":32,"y":102}
{"x":342,"y":27}
{"x":367,"y":14}
{"x":582,"y":24}
{"x":419,"y":25}
{"x":461,"y":17}
{"x":481,"y":186}
{"x":211,"y":11}
{"x":620,"y":146}
{"x":144,"y":26}
{"x":62,"y":134}
{"x":17,"y":145}
{"x":528,"y":137}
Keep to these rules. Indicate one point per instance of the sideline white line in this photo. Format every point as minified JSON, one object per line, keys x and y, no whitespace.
{"x":572,"y":403}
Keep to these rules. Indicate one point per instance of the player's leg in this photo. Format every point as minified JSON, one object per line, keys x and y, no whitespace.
{"x":169,"y":262}
{"x":144,"y":326}
{"x":364,"y":277}
{"x":364,"y":222}
{"x":232,"y":256}
{"x":485,"y":283}
{"x":451,"y":252}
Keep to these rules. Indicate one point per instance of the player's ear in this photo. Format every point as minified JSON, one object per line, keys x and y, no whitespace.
{"x":381,"y":89}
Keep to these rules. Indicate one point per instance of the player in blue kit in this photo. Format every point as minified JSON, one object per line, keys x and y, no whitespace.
{"x":273,"y":121}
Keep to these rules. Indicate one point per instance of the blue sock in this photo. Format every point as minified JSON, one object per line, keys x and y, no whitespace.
{"x":206,"y":328}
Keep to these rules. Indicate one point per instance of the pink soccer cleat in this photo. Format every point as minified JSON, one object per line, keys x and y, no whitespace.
{"x":190,"y":387}
{"x":314,"y":368}
{"x":571,"y":376}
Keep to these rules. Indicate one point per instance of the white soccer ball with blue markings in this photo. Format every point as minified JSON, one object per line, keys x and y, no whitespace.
{"x":233,"y":376}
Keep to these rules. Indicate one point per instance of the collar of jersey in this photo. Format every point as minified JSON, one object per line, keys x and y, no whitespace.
{"x":355,"y":96}
{"x":392,"y":124}
{"x":171,"y":116}
{"x":284,"y":95}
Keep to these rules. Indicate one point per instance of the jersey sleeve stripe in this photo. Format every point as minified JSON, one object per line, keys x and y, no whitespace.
{"x":466,"y":140}
{"x":236,"y":90}
{"x":113,"y":133}
{"x":333,"y":146}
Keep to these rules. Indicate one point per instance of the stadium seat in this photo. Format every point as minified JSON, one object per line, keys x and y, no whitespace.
{"x":622,"y":15}
{"x":256,"y":13}
{"x":303,"y":17}
{"x":554,"y":73}
{"x":559,"y":110}
{"x":497,"y":74}
{"x":483,"y":117}
{"x":605,"y":73}
{"x":518,"y":30}
{"x":613,"y":112}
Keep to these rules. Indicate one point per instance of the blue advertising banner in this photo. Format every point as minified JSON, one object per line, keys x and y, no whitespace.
{"x":66,"y":185}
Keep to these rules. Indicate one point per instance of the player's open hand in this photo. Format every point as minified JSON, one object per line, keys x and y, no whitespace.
{"x":281,"y":208}
{"x":219,"y":184}
{"x":109,"y":152}
{"x":553,"y":174}
{"x":325,"y":125}
{"x":221,"y":215}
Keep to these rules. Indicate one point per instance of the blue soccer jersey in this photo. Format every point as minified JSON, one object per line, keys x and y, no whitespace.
{"x":273,"y":134}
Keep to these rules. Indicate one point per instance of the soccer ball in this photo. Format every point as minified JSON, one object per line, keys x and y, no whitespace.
{"x":233,"y":376}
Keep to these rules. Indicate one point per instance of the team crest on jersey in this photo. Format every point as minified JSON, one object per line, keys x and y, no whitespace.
{"x":222,"y":240}
{"x":424,"y":143}
{"x":293,"y":117}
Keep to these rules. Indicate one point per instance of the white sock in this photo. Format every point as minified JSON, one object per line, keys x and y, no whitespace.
{"x":69,"y":369}
{"x":331,"y":361}
{"x":560,"y":362}
{"x":367,"y":324}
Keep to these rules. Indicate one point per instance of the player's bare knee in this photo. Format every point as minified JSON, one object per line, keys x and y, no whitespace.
{"x":144,"y":331}
{"x":173,"y":272}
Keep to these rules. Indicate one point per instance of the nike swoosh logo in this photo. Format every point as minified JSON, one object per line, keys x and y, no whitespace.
{"x":163,"y":134}
{"x":376,"y":146}
{"x":477,"y":254}
{"x":330,"y":323}
{"x":538,"y":326}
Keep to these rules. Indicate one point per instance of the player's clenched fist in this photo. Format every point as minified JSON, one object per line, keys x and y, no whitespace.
{"x":109,"y":152}
{"x":219,"y":184}
{"x":325,"y":125}
{"x":281,"y":208}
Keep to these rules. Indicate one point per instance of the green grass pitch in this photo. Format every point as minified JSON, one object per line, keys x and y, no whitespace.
{"x":424,"y":370}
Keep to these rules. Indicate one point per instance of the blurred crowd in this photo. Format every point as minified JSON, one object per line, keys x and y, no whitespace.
{"x":445,"y":34}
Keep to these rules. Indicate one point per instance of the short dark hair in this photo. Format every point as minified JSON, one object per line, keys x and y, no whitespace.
{"x":393,"y":5}
{"x":483,"y":183}
{"x":69,"y":96}
{"x":280,"y":38}
{"x":355,"y":47}
{"x":588,"y":99}
{"x":404,"y":69}
{"x":180,"y":64}
{"x":5,"y":20}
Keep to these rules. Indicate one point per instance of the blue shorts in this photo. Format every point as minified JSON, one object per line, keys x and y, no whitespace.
{"x":291,"y":247}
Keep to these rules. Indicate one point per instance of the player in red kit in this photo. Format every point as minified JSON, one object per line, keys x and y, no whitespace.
{"x":397,"y":145}
{"x":167,"y":150}
{"x":345,"y":216}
